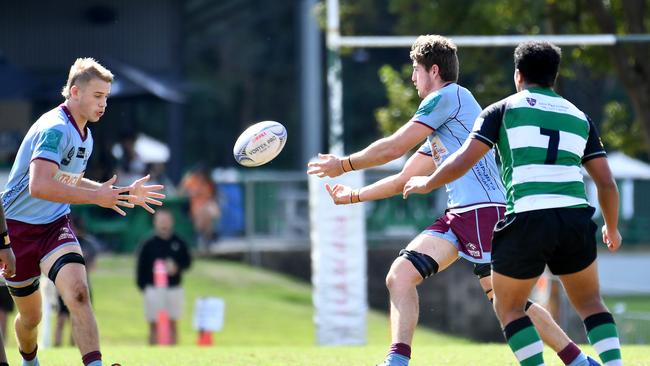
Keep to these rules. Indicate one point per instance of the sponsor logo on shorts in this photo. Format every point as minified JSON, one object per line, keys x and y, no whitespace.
{"x":473,"y":250}
{"x":65,"y":233}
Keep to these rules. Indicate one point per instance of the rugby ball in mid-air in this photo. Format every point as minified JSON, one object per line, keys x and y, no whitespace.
{"x":260,"y":143}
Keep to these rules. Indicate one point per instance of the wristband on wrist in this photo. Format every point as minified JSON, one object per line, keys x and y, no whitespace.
{"x":350,"y":162}
{"x":354,"y":196}
{"x":6,"y":242}
{"x":342,"y":166}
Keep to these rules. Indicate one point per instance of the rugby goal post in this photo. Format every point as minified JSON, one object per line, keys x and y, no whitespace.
{"x":338,"y":232}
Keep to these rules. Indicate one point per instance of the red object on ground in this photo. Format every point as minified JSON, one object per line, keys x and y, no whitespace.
{"x":205,"y":338}
{"x":163,"y":328}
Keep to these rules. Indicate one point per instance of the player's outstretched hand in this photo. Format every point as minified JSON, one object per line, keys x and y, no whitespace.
{"x":612,"y":238}
{"x":417,"y":184}
{"x":328,"y":166}
{"x":144,"y":195}
{"x":7,"y":263}
{"x":341,"y":194}
{"x":111,"y":197}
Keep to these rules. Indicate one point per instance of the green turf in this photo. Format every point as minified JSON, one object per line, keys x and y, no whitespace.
{"x":268,"y":322}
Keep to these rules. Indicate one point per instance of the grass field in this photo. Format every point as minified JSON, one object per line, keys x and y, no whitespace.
{"x":268,"y":322}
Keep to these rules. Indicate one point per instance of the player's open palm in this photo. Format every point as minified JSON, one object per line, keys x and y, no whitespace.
{"x":341,"y":194}
{"x":612,"y":238}
{"x":144,"y":195}
{"x":328,"y":166}
{"x":108,"y":196}
{"x":7,"y":263}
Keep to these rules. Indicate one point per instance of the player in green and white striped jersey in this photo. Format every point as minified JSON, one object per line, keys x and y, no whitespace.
{"x":542,"y":140}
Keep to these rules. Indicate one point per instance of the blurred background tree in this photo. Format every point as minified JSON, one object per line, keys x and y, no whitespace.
{"x":592,"y":77}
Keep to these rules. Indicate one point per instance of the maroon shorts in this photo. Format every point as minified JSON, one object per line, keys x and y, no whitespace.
{"x":32,"y":243}
{"x":469,"y":230}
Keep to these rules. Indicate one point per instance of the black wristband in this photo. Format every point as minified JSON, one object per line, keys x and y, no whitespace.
{"x":350,"y":162}
{"x":6,"y":242}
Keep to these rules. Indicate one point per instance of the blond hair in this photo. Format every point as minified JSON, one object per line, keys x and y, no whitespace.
{"x":432,"y":50}
{"x":82,"y":71}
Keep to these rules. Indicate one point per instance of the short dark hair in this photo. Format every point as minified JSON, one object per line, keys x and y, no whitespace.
{"x":432,"y":50}
{"x":538,"y":62}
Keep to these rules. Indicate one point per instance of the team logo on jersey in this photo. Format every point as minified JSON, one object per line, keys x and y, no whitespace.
{"x":81,"y":153}
{"x":50,"y":140}
{"x":427,"y":105}
{"x":67,"y":159}
{"x":531,"y":101}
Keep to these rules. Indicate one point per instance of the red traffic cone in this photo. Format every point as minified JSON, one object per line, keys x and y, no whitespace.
{"x":163,"y":329}
{"x":205,"y":338}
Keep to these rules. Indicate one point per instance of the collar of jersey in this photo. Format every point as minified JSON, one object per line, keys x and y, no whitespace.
{"x":541,"y":90}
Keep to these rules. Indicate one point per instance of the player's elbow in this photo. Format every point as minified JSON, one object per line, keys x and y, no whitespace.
{"x":37,"y":189}
{"x":607,"y":186}
{"x":605,"y":182}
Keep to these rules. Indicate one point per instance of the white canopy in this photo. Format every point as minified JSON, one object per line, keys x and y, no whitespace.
{"x":148,"y":149}
{"x":624,"y":166}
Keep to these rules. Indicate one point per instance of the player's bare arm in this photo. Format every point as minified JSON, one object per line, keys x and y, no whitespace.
{"x":418,"y":164}
{"x":44,"y":185}
{"x":598,"y":169}
{"x":379,"y":152}
{"x":7,"y":258}
{"x":451,"y":169}
{"x":89,"y":183}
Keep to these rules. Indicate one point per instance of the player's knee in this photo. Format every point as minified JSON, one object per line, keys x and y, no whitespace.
{"x":396,"y":280}
{"x":424,"y":264}
{"x":29,"y":320}
{"x":77,"y":295}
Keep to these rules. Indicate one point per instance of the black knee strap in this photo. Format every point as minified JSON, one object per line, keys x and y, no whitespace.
{"x":24,"y":291}
{"x":482,"y":270}
{"x":423,"y":263}
{"x":62,"y":261}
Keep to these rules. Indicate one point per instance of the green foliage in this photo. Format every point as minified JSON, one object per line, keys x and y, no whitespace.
{"x":402,"y":99}
{"x":487,"y":71}
{"x":620,"y":131}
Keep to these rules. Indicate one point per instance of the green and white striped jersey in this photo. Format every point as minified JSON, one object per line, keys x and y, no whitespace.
{"x":542,"y":140}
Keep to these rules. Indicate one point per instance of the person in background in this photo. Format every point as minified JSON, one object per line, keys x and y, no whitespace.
{"x":204,"y":208}
{"x":90,"y":247}
{"x":129,"y":165}
{"x":169,"y":247}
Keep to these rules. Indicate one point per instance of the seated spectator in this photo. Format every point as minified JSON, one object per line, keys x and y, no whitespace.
{"x":204,"y":209}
